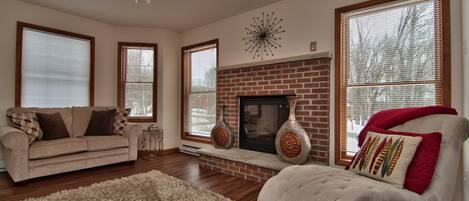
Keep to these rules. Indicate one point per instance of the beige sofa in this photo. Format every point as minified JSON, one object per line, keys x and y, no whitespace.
{"x":41,"y":158}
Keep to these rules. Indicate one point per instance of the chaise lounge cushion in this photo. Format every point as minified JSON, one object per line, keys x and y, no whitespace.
{"x":326,"y":183}
{"x":100,"y":143}
{"x":321,"y":183}
{"x":58,"y":147}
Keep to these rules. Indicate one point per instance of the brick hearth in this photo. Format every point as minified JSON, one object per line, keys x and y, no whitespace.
{"x":307,"y":79}
{"x":237,"y":169}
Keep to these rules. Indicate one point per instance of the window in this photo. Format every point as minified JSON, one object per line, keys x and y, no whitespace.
{"x":137,"y":64}
{"x":199,"y":90}
{"x":54,"y":68}
{"x":391,"y":55}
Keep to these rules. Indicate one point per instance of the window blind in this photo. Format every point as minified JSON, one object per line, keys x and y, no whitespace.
{"x":391,"y":58}
{"x":55,"y":70}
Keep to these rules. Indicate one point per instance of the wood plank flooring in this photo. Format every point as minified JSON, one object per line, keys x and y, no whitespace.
{"x":179,"y":165}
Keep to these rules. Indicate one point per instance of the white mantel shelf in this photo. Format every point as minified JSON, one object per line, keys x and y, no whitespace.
{"x":254,"y":158}
{"x":319,"y":55}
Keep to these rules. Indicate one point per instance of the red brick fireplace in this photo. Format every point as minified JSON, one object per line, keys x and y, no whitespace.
{"x":306,"y":78}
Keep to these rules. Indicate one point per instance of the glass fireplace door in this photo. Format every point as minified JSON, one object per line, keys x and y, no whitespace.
{"x":260,"y":120}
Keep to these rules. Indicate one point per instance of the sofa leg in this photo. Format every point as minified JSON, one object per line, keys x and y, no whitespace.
{"x":131,"y":162}
{"x":20,"y":183}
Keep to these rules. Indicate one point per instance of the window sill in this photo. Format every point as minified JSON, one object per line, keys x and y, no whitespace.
{"x":196,"y":138}
{"x":343,"y":162}
{"x":142,"y":120}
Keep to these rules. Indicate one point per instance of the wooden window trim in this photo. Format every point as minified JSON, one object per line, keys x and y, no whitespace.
{"x":185,"y":88}
{"x":340,"y":156}
{"x":121,"y":80}
{"x":19,"y":54}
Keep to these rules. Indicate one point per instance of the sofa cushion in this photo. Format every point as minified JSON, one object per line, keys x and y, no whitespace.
{"x":52,"y":148}
{"x":65,"y":113}
{"x":101,"y":123}
{"x":52,"y":126}
{"x":121,"y":119}
{"x":99,"y":143}
{"x":26,"y":122}
{"x":81,"y":118}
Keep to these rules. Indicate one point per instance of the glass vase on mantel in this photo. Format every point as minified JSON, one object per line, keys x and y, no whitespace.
{"x":292,"y":141}
{"x":221,"y":135}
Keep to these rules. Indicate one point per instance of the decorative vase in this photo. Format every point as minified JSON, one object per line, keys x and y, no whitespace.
{"x":221,"y":134}
{"x":292,"y":141}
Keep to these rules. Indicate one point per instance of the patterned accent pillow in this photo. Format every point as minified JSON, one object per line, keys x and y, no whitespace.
{"x":420,"y":171}
{"x":26,"y":122}
{"x":385,"y":157}
{"x":121,"y":119}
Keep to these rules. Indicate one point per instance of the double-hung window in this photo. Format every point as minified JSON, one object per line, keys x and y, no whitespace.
{"x":199,"y":90}
{"x":54,"y":68}
{"x":137,"y":80}
{"x":388,"y":55}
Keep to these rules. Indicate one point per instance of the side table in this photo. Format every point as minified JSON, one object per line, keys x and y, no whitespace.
{"x":152,"y":142}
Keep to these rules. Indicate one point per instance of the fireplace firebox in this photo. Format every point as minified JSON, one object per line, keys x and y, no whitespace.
{"x":260,"y":119}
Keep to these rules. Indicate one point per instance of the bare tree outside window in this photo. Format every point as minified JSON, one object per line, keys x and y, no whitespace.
{"x":390,"y":63}
{"x":202,"y":97}
{"x":138,"y":65}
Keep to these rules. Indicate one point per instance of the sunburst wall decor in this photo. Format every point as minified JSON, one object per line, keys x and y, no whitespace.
{"x":262,"y":35}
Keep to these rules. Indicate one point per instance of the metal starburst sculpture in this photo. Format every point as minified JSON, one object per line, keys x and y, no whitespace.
{"x":262,"y":35}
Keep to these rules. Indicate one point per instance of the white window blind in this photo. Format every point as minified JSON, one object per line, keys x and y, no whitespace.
{"x":55,"y":70}
{"x":392,"y":60}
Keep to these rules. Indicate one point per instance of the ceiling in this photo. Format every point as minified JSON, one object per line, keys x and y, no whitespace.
{"x":176,"y":15}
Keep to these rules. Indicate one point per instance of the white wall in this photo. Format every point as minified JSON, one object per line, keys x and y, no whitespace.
{"x":465,"y":54}
{"x":168,"y":74}
{"x":306,"y":21}
{"x":106,"y":38}
{"x":465,"y":74}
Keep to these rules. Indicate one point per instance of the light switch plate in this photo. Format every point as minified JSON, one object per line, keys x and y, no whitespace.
{"x":313,"y":46}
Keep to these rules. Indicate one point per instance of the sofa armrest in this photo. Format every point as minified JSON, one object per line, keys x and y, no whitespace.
{"x":15,"y":152}
{"x":134,"y":133}
{"x":13,"y":138}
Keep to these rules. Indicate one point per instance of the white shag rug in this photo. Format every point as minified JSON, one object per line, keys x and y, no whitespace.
{"x":151,"y":186}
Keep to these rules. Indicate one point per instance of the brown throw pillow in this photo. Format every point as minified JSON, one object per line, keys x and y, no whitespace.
{"x":52,"y":125}
{"x":101,"y":123}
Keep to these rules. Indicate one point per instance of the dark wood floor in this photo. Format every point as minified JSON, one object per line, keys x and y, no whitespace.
{"x":179,"y":165}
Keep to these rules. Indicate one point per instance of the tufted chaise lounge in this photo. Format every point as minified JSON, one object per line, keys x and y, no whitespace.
{"x":321,"y":183}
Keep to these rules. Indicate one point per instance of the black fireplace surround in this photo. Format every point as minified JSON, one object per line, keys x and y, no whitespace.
{"x":260,"y":119}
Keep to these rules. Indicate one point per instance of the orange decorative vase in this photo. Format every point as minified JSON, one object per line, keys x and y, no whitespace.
{"x":220,"y":135}
{"x":292,"y":141}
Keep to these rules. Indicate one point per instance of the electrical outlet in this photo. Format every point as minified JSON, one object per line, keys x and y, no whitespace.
{"x":313,"y":46}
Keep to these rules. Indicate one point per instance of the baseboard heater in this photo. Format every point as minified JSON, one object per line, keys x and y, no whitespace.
{"x":188,"y":149}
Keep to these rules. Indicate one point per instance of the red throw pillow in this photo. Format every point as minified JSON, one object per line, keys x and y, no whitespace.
{"x":420,"y":171}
